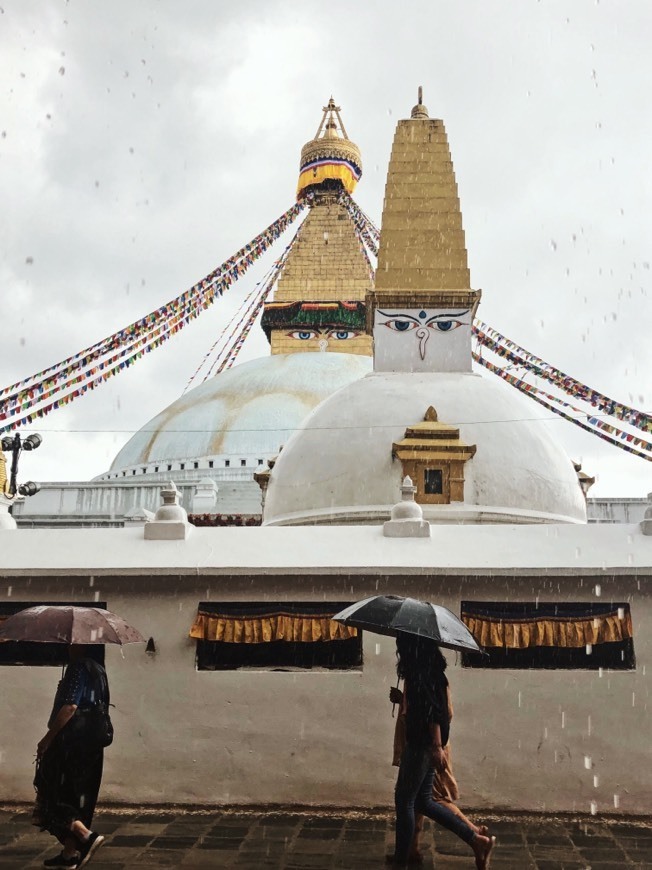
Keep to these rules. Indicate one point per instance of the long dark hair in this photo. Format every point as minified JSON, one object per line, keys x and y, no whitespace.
{"x":419,"y":658}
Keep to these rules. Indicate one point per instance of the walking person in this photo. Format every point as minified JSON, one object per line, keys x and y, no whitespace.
{"x":70,"y":758}
{"x":444,"y":785}
{"x":427,"y":724}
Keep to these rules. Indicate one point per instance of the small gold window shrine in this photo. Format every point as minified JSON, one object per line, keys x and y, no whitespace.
{"x":433,"y":455}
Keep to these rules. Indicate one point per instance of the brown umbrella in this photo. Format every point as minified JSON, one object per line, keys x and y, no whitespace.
{"x":67,"y":624}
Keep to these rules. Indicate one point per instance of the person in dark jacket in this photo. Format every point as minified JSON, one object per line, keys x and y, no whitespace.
{"x":69,"y":764}
{"x":422,"y":666}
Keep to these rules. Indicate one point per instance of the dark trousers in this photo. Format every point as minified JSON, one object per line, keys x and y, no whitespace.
{"x":67,"y":784}
{"x":413,"y":794}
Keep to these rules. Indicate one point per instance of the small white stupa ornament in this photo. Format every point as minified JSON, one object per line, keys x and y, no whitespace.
{"x":646,"y":522}
{"x":170,"y":521}
{"x":406,"y":519}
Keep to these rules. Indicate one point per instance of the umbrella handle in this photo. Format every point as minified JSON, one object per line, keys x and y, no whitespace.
{"x":398,"y":681}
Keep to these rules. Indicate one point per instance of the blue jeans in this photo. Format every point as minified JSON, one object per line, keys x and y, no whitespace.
{"x":413,"y":794}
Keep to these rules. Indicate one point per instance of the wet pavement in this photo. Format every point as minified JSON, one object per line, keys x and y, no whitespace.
{"x":328,"y":840}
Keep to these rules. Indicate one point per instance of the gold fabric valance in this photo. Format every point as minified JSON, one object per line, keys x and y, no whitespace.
{"x":270,"y":627}
{"x":550,"y":631}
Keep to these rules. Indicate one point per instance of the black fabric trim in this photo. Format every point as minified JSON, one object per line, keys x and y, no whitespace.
{"x":527,"y":610}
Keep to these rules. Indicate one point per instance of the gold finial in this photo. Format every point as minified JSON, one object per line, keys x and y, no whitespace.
{"x":431,"y":415}
{"x":329,"y":125}
{"x":419,"y":112}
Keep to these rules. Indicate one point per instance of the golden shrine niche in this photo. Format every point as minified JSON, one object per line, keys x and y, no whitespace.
{"x":433,"y":455}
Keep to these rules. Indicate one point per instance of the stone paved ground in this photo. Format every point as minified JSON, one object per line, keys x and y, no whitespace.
{"x":327,"y":841}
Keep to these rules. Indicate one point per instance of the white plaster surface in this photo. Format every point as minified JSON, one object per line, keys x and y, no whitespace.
{"x":248,"y":411}
{"x":519,"y":738}
{"x":340,"y":460}
{"x":571,"y":548}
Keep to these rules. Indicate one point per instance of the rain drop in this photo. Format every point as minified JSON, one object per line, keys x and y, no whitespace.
{"x":594,"y":808}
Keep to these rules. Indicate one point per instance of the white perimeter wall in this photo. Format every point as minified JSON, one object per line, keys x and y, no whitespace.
{"x":519,"y":738}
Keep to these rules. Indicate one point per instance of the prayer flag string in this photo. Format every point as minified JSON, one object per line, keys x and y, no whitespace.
{"x":187,"y":305}
{"x":509,"y":350}
{"x":152,"y":331}
{"x":534,"y":393}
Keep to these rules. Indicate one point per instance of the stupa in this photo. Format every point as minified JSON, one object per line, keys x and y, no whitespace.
{"x":229,"y":427}
{"x":475,"y":450}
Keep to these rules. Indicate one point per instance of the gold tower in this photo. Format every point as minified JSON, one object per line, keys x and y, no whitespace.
{"x":319,"y":300}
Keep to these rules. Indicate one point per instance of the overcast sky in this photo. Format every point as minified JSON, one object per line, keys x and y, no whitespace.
{"x":143,"y":143}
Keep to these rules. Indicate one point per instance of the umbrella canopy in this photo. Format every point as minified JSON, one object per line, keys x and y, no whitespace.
{"x":66,"y":624}
{"x":391,"y":615}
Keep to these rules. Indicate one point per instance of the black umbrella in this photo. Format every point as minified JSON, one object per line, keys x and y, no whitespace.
{"x":391,"y":615}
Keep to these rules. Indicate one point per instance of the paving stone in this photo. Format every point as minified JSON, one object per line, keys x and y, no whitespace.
{"x":161,"y":857}
{"x":321,"y":833}
{"x":326,"y":841}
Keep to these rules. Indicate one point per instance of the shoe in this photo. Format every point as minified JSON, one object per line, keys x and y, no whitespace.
{"x":88,"y":849}
{"x":60,"y":860}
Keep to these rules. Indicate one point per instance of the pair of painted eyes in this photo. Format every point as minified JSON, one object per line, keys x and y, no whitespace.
{"x":337,"y":334}
{"x":399,"y":325}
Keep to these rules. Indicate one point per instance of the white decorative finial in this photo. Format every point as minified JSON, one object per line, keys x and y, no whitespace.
{"x":406,"y":520}
{"x":170,"y":521}
{"x":646,"y":522}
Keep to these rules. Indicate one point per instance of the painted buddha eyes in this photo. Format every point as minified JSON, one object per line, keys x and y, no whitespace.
{"x":398,"y":324}
{"x":336,"y":334}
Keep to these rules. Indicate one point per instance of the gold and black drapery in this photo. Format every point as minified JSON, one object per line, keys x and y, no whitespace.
{"x":582,"y":635}
{"x":254,"y":624}
{"x":522,"y":625}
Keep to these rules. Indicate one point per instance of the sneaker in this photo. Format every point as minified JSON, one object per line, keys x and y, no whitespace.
{"x":88,"y":849}
{"x":60,"y":860}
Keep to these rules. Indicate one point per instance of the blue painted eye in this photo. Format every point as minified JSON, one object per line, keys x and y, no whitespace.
{"x":342,"y":334}
{"x":303,"y":334}
{"x":400,"y":325}
{"x":446,"y":325}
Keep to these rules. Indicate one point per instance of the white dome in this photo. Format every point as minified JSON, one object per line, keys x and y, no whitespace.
{"x":248,"y":411}
{"x":338,"y":466}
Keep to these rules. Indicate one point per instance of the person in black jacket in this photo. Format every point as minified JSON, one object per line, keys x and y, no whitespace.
{"x":422,"y":666}
{"x":69,"y":763}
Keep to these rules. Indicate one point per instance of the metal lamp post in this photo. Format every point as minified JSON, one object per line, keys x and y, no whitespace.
{"x":15,"y":445}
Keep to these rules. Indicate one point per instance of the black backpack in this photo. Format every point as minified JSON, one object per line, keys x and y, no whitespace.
{"x":93,"y":724}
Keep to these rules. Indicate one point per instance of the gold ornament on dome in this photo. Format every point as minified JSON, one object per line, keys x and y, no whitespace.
{"x":330,"y":157}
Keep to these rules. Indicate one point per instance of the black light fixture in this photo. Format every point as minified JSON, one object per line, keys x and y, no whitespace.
{"x":32,"y":442}
{"x":29,"y":488}
{"x":15,"y":445}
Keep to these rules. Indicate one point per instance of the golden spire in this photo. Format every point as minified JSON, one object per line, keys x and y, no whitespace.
{"x":422,"y":248}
